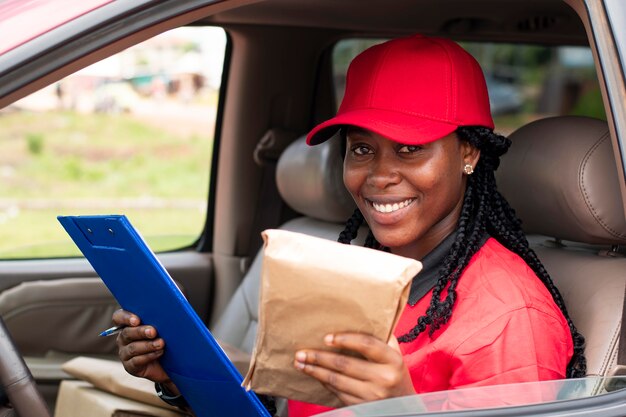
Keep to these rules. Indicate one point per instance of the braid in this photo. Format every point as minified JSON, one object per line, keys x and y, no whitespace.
{"x":505,"y":226}
{"x":350,"y":232}
{"x":484,"y":210}
{"x":352,"y":228}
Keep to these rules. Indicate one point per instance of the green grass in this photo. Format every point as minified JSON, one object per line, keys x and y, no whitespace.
{"x":61,"y":163}
{"x":113,"y":153}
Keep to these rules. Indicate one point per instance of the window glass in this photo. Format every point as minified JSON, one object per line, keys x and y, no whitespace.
{"x":131,"y":135}
{"x":525,"y":82}
{"x":557,"y":392}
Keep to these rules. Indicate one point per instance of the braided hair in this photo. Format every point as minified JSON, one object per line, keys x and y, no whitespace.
{"x":484,"y":210}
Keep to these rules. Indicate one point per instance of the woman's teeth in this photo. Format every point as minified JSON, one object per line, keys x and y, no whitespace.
{"x":390,"y":208}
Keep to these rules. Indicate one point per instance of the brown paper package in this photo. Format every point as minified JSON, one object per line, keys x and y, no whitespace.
{"x":311,"y":287}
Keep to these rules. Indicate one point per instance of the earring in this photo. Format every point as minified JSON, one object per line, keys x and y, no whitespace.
{"x":468,"y":169}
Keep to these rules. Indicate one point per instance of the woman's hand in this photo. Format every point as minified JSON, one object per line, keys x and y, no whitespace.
{"x":139,"y":349}
{"x":382,"y":374}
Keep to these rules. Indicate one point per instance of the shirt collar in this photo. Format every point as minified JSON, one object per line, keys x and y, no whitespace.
{"x":431,"y":263}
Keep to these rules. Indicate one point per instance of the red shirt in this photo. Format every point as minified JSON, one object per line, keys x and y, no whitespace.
{"x":504,"y":328}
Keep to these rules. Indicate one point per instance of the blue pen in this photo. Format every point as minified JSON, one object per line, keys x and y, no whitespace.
{"x":113,"y":330}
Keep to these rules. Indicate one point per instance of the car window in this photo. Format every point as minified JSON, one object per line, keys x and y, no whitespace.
{"x":489,"y":397}
{"x":131,"y":134}
{"x":525,"y":82}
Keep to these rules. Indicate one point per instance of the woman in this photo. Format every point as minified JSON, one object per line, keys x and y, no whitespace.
{"x":419,"y":162}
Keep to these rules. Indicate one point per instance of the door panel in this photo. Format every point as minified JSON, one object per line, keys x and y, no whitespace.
{"x":55,"y":309}
{"x":68,"y":293}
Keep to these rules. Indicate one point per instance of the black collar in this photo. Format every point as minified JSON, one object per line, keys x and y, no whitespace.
{"x":431,"y":263}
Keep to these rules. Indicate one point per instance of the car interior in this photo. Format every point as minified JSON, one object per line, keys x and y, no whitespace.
{"x":562,"y":173}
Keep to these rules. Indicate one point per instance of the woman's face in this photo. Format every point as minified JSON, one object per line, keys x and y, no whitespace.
{"x":410,"y":195}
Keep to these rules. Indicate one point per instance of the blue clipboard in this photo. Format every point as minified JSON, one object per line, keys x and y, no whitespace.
{"x":193,"y":359}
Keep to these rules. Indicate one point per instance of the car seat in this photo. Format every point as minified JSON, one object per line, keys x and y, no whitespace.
{"x":560,"y":176}
{"x":310,"y":181}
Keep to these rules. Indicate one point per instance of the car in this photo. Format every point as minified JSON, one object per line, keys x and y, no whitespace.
{"x":202,"y":147}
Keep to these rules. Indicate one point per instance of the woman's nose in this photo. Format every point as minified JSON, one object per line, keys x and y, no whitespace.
{"x":383,"y":172}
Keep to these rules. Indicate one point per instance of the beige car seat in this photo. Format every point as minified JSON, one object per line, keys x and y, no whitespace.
{"x":561,"y":178}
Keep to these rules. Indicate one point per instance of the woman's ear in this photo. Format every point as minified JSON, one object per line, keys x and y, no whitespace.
{"x":470,"y":154}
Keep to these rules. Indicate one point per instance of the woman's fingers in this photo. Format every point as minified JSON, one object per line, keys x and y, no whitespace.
{"x":125,"y":318}
{"x":380,"y":373}
{"x":337,"y":382}
{"x":140,"y":358}
{"x":347,"y":365}
{"x":132,"y":334}
{"x":372,"y":348}
{"x":138,"y":365}
{"x":140,"y":348}
{"x":360,"y":378}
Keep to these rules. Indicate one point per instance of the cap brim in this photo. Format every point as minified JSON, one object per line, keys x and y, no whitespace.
{"x":399,"y":127}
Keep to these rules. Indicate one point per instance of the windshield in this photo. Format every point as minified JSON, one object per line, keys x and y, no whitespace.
{"x":483,"y":397}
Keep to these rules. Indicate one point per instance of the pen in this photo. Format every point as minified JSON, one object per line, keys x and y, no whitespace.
{"x":111,"y":331}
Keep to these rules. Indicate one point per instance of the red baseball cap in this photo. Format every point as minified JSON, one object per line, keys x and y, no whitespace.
{"x":412,"y":90}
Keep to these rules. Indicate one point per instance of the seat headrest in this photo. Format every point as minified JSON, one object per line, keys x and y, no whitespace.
{"x":310,"y":180}
{"x":561,"y":178}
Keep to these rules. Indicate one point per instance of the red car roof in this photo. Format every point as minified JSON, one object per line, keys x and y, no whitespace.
{"x":24,"y":20}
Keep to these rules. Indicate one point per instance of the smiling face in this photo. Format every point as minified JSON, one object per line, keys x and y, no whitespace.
{"x":410,"y":195}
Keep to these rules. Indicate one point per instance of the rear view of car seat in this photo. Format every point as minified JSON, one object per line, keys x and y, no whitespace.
{"x":560,"y":176}
{"x":310,"y":180}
